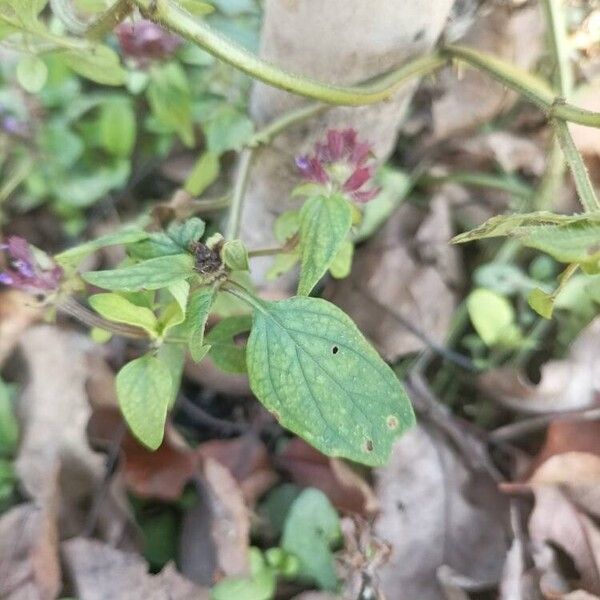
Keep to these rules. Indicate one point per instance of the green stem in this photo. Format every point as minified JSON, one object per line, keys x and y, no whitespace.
{"x":585,"y":188}
{"x":273,"y":129}
{"x":267,"y":252}
{"x":557,"y":35}
{"x":484,"y":180}
{"x":558,"y":46}
{"x":534,"y":89}
{"x":109,"y":19}
{"x":239,"y":291}
{"x":168,"y":14}
{"x":239,"y":192}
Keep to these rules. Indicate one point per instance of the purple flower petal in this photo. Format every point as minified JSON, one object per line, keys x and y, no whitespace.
{"x":365,"y":195}
{"x":6,"y":278}
{"x":358,"y":178}
{"x":18,"y":249}
{"x":335,"y":143}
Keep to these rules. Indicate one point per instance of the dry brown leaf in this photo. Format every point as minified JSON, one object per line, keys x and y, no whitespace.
{"x":555,"y":519}
{"x":346,"y":489}
{"x":53,"y":410}
{"x":29,"y":562}
{"x":215,"y":534}
{"x":161,"y":474}
{"x":472,"y":98}
{"x":436,"y":512}
{"x":409,"y":269}
{"x":248,"y":461}
{"x":514,"y":153}
{"x":17,"y":312}
{"x":567,"y":384}
{"x":99,"y":572}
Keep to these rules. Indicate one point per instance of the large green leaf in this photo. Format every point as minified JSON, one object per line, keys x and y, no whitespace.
{"x":98,"y":63}
{"x":311,"y":528}
{"x":151,"y":274}
{"x":144,"y":389}
{"x":324,"y":226}
{"x":309,"y":364}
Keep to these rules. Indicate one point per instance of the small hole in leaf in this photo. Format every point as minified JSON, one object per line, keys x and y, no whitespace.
{"x":392,"y":422}
{"x":335,"y":350}
{"x":369,"y":446}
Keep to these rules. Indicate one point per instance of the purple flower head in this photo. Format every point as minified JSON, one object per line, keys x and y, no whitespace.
{"x":145,"y":41}
{"x":28,"y":271}
{"x":342,"y":163}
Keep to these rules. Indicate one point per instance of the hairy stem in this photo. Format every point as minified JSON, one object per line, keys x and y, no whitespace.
{"x":557,"y":41}
{"x":71,"y":307}
{"x":585,"y":188}
{"x":109,"y":19}
{"x":293,"y":117}
{"x":557,"y":35}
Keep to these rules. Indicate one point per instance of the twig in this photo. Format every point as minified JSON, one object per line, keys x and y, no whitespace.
{"x":111,"y":461}
{"x":199,"y":414}
{"x":454,"y":357}
{"x":526,"y":426}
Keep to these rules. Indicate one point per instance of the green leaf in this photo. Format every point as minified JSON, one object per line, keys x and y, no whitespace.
{"x":170,"y":100}
{"x":116,"y":308}
{"x":9,"y":428}
{"x":78,"y":253}
{"x":571,"y":243}
{"x":173,"y":356}
{"x":205,"y":171}
{"x":198,"y":311}
{"x":311,"y":529}
{"x":151,"y":274}
{"x":117,"y":127}
{"x":309,"y":364}
{"x":32,"y":73}
{"x":342,"y":263}
{"x":229,"y":356}
{"x":174,"y":313}
{"x":541,"y":302}
{"x":98,"y":63}
{"x":259,"y":586}
{"x":492,"y":315}
{"x":519,"y":225}
{"x":185,"y":234}
{"x":156,"y":245}
{"x":324,"y":225}
{"x":228,"y":129}
{"x":196,"y":7}
{"x":234,"y":255}
{"x":144,"y":389}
